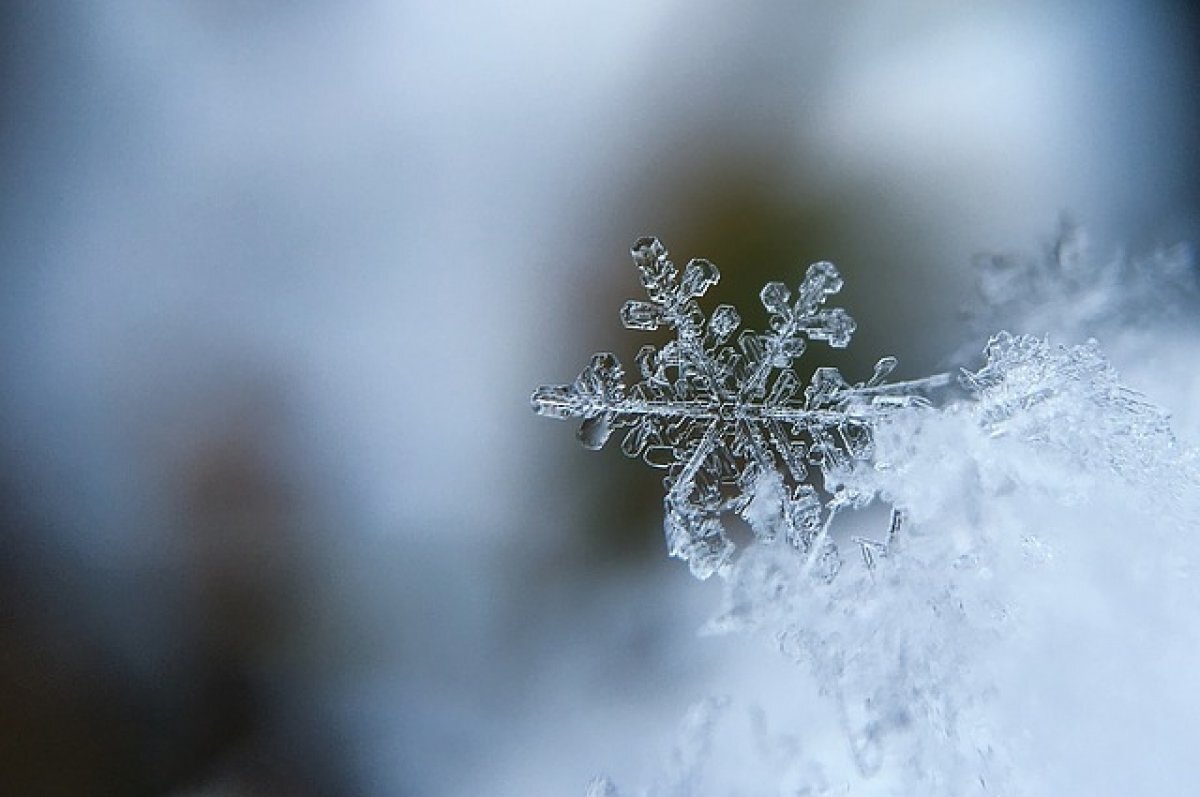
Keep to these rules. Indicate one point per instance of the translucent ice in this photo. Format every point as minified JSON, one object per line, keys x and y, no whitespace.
{"x":724,"y":419}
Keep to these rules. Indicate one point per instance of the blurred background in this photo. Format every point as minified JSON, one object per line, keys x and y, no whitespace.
{"x":279,"y":278}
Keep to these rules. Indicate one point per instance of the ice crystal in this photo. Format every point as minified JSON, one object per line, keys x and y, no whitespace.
{"x":1045,"y":502}
{"x":728,"y":418}
{"x":1068,"y":399}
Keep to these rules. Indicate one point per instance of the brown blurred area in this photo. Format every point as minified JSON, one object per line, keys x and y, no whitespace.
{"x":225,"y":603}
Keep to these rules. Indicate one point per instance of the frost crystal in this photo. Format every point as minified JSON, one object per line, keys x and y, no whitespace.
{"x":1070,"y":400}
{"x":728,"y":418}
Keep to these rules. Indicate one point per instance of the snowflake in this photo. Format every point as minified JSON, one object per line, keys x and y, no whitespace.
{"x":729,"y":420}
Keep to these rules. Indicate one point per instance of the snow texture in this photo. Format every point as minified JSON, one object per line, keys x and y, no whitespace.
{"x":1071,"y":290}
{"x":729,"y":420}
{"x":1026,"y":625}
